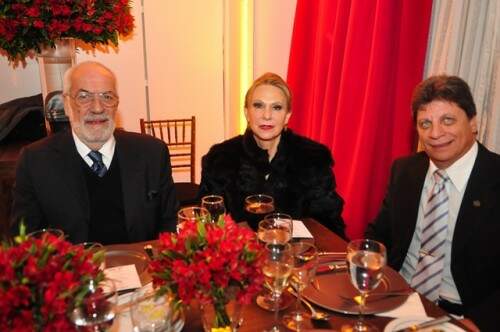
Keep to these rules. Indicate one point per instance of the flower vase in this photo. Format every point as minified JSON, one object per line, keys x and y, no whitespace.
{"x":52,"y":64}
{"x":221,"y":317}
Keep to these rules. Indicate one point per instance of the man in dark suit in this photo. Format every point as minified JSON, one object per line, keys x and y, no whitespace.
{"x":440,"y":219}
{"x":95,"y":183}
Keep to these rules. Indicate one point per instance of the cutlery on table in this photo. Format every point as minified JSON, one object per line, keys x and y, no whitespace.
{"x":357,"y":298}
{"x":315,"y":314}
{"x":332,"y":267}
{"x":342,"y":254}
{"x":433,"y":322}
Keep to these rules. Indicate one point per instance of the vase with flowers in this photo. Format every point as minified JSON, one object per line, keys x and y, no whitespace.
{"x":49,"y":28}
{"x":41,"y":281}
{"x":213,"y":263}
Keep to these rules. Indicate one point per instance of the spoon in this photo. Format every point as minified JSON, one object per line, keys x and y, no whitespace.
{"x":357,"y":298}
{"x":315,"y":314}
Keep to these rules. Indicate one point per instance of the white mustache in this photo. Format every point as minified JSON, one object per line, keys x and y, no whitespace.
{"x":96,"y":117}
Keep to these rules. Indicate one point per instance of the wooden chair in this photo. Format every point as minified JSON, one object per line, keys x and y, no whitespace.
{"x":179,"y":134}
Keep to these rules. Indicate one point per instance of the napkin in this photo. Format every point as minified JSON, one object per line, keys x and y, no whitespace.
{"x":411,"y":307}
{"x":124,"y":276}
{"x":300,"y":230}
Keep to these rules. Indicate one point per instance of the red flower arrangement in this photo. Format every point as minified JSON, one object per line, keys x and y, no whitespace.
{"x":203,"y":260}
{"x":40,"y":280}
{"x":28,"y":24}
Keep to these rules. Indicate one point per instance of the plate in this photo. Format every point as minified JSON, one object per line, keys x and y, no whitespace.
{"x":334,"y":291}
{"x":401,"y":323}
{"x":126,"y":257}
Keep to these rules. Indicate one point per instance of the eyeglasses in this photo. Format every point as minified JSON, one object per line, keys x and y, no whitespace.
{"x":86,"y":98}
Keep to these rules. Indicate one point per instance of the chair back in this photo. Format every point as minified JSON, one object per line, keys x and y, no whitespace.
{"x":179,"y":134}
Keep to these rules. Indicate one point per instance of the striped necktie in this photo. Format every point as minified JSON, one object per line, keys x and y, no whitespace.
{"x":429,"y":270}
{"x":98,"y":166}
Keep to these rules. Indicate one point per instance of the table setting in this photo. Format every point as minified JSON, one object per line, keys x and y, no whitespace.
{"x":218,"y":276}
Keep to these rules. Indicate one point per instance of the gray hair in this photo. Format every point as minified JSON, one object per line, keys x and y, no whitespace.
{"x":69,"y":73}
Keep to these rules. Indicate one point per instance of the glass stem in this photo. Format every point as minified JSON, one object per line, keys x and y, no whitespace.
{"x":360,"y":325}
{"x":276,"y":298}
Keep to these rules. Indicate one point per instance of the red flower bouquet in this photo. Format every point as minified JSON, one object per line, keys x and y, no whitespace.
{"x":28,"y":24}
{"x":40,"y":280}
{"x":204,"y":260}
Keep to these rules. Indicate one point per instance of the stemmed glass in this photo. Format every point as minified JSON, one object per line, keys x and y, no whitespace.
{"x":42,"y":233}
{"x":192,"y":214}
{"x":149,"y":312}
{"x":277,"y":268}
{"x":275,"y":229}
{"x":96,"y":310}
{"x":215,"y":205}
{"x":305,"y":257}
{"x":256,"y":207}
{"x":366,"y":259}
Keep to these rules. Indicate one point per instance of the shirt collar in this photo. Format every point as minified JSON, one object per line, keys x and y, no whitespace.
{"x":459,"y":171}
{"x":107,"y":150}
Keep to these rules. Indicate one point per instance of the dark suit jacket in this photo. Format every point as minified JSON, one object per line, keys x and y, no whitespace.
{"x":475,"y":255}
{"x":51,"y":191}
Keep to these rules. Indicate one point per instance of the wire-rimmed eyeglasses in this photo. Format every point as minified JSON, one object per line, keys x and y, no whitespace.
{"x":86,"y":98}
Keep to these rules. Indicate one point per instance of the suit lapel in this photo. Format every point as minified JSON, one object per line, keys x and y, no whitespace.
{"x":412,"y":191}
{"x":469,"y":215}
{"x":69,"y":163}
{"x":133,"y":179}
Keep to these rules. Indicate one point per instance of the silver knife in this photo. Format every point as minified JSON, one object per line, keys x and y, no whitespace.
{"x":417,"y":327}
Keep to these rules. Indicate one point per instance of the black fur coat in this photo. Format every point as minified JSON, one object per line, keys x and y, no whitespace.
{"x":300,"y":177}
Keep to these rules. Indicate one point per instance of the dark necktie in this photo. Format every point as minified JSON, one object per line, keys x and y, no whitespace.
{"x":429,"y":270}
{"x":98,"y":166}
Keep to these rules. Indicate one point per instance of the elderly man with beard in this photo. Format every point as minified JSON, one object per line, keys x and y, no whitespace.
{"x":94,"y":183}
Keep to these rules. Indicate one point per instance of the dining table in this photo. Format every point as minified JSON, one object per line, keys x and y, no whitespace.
{"x":258,"y":319}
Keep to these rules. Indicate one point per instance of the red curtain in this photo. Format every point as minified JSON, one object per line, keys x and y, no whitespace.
{"x":353,"y":65}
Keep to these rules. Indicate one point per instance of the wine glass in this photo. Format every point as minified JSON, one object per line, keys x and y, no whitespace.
{"x":42,"y":233}
{"x":277,"y":268}
{"x":256,"y":207}
{"x":192,"y":214}
{"x":98,"y":252}
{"x":149,"y":312}
{"x":96,"y":310}
{"x":366,"y":259}
{"x":215,"y":205}
{"x":305,"y":262}
{"x":275,"y":229}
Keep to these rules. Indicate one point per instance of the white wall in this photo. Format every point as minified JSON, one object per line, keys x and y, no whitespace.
{"x":184,"y":42}
{"x":273,"y":27}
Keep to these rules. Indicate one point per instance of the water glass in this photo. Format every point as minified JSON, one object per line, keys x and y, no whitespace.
{"x":305,"y":262}
{"x":97,"y":309}
{"x":277,"y":269}
{"x":149,"y":312}
{"x":275,"y":228}
{"x":98,"y":252}
{"x":42,"y":233}
{"x":366,"y":260}
{"x":215,"y":205}
{"x":192,"y":214}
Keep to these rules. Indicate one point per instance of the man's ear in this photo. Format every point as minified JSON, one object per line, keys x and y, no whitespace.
{"x":473,"y":124}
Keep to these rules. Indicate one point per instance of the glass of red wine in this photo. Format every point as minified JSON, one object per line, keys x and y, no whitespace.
{"x":256,"y":208}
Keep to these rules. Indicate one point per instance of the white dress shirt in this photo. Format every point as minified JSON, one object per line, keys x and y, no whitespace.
{"x":459,"y":173}
{"x":107,"y":150}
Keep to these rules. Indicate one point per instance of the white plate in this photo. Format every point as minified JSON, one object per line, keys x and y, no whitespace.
{"x":401,"y":323}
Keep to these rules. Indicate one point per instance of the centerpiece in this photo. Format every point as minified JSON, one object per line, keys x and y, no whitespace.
{"x":27,"y":25}
{"x":42,"y":280}
{"x":213,"y":263}
{"x":48,"y":29}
